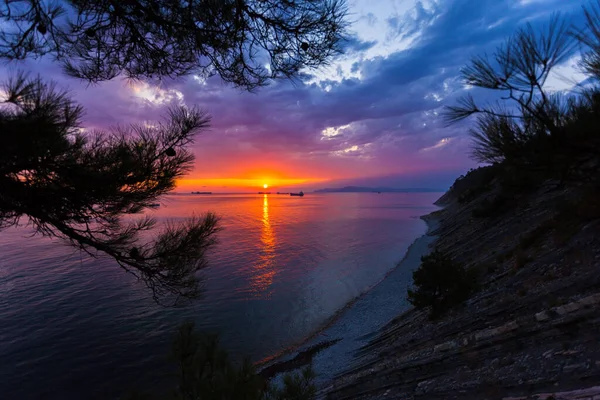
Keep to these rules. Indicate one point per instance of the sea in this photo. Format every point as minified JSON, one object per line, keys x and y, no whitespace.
{"x":77,"y":327}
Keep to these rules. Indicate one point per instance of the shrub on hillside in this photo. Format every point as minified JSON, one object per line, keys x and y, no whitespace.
{"x":441,"y":284}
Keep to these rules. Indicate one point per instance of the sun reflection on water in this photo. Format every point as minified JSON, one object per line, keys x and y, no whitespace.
{"x":264,"y":270}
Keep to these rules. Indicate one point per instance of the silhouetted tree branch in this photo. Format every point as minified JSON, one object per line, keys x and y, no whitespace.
{"x":532,"y":129}
{"x":246,"y":42}
{"x":81,"y":186}
{"x":590,"y":37}
{"x":519,"y":70}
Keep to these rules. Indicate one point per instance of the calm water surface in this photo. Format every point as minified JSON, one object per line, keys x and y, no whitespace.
{"x":72,"y":327}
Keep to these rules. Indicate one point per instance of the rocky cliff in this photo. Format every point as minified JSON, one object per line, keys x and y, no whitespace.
{"x":533,"y":329}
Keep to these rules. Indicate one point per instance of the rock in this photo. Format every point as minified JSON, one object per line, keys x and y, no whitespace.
{"x":423,"y":387}
{"x":542,"y":316}
{"x":485,"y":334}
{"x":590,"y":300}
{"x":506,"y":361}
{"x":445,"y":346}
{"x":573,"y":367}
{"x":498,"y":344}
{"x":571,"y":307}
{"x":548,"y":354}
{"x":567,"y":308}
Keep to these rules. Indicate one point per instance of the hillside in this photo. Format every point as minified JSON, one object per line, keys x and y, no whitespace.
{"x":533,"y":326}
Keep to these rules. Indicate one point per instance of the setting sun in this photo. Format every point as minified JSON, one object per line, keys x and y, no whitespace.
{"x":265,"y":186}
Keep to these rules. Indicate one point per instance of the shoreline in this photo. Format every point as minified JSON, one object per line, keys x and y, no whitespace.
{"x":528,"y":331}
{"x":339,"y":333}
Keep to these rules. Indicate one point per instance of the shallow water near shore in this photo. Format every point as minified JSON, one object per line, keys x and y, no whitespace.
{"x":359,"y":322}
{"x":74,"y":327}
{"x":371,"y":312}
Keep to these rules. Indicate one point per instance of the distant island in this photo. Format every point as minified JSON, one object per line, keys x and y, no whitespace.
{"x":360,"y":189}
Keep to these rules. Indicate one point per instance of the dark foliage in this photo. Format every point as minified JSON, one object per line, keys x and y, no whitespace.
{"x":476,"y":182}
{"x":590,"y":37}
{"x":513,"y":187}
{"x":296,"y":386}
{"x":100,"y":39}
{"x":441,"y":284}
{"x":492,"y":207}
{"x":515,"y":181}
{"x":80,"y":186}
{"x":519,"y":69}
{"x":205,"y":372}
{"x":473,"y":193}
{"x":534,"y":134}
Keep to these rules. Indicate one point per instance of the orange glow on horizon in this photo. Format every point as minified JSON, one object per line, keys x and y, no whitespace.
{"x":244,"y":183}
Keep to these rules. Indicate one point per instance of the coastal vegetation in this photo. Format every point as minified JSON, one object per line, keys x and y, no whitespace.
{"x":98,"y":40}
{"x":82,"y":186}
{"x":205,"y":371}
{"x":440,"y":283}
{"x":526,"y":223}
{"x":541,"y":146}
{"x":528,"y":137}
{"x":533,"y":134}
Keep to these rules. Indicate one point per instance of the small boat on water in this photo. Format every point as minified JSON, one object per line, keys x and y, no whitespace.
{"x":297,"y":194}
{"x":154,"y":205}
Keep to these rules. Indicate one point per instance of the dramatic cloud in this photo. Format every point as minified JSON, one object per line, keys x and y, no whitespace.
{"x":375,"y":112}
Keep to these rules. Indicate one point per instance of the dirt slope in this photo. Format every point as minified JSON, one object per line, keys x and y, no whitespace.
{"x":534,"y":328}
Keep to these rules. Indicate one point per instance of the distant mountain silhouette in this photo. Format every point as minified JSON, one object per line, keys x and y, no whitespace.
{"x":361,"y":189}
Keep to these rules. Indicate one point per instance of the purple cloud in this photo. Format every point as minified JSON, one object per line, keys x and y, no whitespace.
{"x":375,"y":113}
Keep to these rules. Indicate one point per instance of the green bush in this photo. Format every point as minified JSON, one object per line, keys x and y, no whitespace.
{"x":441,"y":284}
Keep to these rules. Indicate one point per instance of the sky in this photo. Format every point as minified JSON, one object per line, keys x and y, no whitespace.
{"x":372,"y":118}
